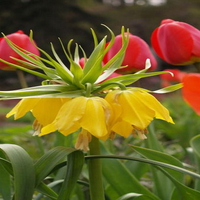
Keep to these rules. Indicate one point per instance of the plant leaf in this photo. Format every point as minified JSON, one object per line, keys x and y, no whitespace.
{"x":75,"y":163}
{"x":23,"y":171}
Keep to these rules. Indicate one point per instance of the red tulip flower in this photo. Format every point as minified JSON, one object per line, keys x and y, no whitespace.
{"x":177,"y":43}
{"x":191,"y":90}
{"x":136,"y":54}
{"x":6,"y":52}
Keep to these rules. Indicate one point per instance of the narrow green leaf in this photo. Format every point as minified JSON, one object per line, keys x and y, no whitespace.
{"x":121,"y":179}
{"x":163,"y":191}
{"x":23,"y":171}
{"x":158,"y":178}
{"x":131,"y":196}
{"x":181,"y":192}
{"x":49,"y":160}
{"x":195,"y":141}
{"x":75,"y":163}
{"x":5,"y":183}
{"x":161,"y":157}
{"x":47,"y":190}
{"x":170,"y":88}
{"x":93,"y":67}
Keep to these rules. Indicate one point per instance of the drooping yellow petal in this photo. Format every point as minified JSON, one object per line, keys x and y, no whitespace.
{"x":123,"y":128}
{"x":24,"y":106}
{"x":47,"y":129}
{"x":70,"y":114}
{"x":160,"y":111}
{"x":47,"y":109}
{"x":94,"y":119}
{"x":134,"y":111}
{"x":137,"y":108}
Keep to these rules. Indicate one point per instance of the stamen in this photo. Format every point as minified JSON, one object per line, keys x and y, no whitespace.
{"x":83,"y":140}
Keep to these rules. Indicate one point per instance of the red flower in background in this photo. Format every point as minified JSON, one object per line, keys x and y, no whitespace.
{"x":168,"y":79}
{"x":177,"y":43}
{"x":6,"y":52}
{"x":191,"y":90}
{"x":135,"y":56}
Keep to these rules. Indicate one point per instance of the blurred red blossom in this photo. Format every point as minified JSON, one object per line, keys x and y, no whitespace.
{"x":191,"y":90}
{"x":136,"y":54}
{"x":177,"y":43}
{"x":6,"y":52}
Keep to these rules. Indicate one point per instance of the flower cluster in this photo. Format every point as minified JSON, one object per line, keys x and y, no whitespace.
{"x":85,"y":97}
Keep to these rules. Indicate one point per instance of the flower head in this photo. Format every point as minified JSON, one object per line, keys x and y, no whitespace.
{"x":177,"y":43}
{"x":71,"y":99}
{"x":9,"y":55}
{"x":134,"y":109}
{"x":136,"y":54}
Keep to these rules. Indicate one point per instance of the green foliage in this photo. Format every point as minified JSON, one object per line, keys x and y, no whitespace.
{"x":163,"y":167}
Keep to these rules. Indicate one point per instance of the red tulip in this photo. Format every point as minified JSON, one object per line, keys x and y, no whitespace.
{"x":136,"y":54}
{"x":177,"y":43}
{"x":6,"y":52}
{"x":191,"y":90}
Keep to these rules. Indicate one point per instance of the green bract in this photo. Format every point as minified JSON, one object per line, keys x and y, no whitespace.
{"x":72,"y":81}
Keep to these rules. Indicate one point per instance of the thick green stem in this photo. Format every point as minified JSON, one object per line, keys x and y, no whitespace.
{"x":21,"y":78}
{"x":95,"y":172}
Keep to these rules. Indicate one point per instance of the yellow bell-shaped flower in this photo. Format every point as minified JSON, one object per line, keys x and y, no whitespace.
{"x":134,"y":109}
{"x":92,"y":115}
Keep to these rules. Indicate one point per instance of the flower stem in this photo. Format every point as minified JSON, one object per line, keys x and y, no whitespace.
{"x":95,"y":172}
{"x":21,"y":78}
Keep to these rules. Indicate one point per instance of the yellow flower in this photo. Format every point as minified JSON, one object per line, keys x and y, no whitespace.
{"x":43,"y":109}
{"x":90,"y":115}
{"x":134,"y":109}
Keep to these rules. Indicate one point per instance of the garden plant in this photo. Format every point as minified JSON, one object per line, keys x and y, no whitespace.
{"x":98,"y":134}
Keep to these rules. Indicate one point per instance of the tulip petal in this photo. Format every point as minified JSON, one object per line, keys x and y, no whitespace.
{"x":191,"y":91}
{"x":176,"y":43}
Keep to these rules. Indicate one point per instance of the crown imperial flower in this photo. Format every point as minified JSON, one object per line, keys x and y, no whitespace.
{"x":87,"y":97}
{"x":176,"y":42}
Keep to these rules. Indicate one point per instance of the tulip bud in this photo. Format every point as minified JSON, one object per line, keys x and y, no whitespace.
{"x":136,"y":54}
{"x":6,"y":52}
{"x":177,"y":43}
